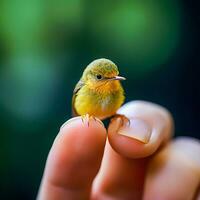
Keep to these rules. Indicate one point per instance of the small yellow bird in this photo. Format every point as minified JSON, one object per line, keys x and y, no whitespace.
{"x":99,"y":92}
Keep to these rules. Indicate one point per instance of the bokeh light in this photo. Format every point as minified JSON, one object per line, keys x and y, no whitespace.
{"x":143,"y":34}
{"x":32,"y":87}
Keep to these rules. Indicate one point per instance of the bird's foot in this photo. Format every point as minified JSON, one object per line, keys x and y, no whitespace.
{"x":86,"y":119}
{"x":124,"y":121}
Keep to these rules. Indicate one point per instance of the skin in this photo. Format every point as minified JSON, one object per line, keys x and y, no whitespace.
{"x":84,"y":163}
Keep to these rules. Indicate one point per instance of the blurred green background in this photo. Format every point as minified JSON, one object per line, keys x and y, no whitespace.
{"x":44,"y":47}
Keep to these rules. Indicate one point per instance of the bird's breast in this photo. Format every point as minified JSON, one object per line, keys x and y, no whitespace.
{"x":97,"y":104}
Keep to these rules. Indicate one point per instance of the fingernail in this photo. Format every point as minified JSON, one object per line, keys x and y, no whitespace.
{"x":136,"y":129}
{"x":70,"y":121}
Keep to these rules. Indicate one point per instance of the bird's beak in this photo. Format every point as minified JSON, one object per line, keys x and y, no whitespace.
{"x":120,"y":78}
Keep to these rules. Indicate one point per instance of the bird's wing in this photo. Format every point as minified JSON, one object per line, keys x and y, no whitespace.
{"x":78,"y":86}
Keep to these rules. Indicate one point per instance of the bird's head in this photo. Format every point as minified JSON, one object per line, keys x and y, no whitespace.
{"x":102,"y":74}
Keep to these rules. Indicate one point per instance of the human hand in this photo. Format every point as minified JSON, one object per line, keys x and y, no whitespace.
{"x":83,"y":164}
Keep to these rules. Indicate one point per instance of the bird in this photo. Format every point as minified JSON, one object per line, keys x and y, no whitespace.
{"x":99,"y":92}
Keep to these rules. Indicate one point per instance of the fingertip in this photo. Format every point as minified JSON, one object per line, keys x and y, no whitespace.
{"x":150,"y":126}
{"x":80,"y":139}
{"x":79,"y":122}
{"x":84,"y":135}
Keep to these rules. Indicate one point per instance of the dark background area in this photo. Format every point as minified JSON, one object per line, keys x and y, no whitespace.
{"x":44,"y":47}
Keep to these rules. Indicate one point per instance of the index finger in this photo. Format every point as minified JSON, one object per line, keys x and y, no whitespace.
{"x":74,"y":160}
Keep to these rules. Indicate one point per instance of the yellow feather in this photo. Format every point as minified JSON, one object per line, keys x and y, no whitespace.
{"x":99,"y":98}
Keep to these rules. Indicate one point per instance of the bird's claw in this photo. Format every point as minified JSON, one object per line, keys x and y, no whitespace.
{"x":85,"y":119}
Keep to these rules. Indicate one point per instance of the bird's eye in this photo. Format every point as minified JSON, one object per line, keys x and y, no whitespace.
{"x":99,"y":76}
